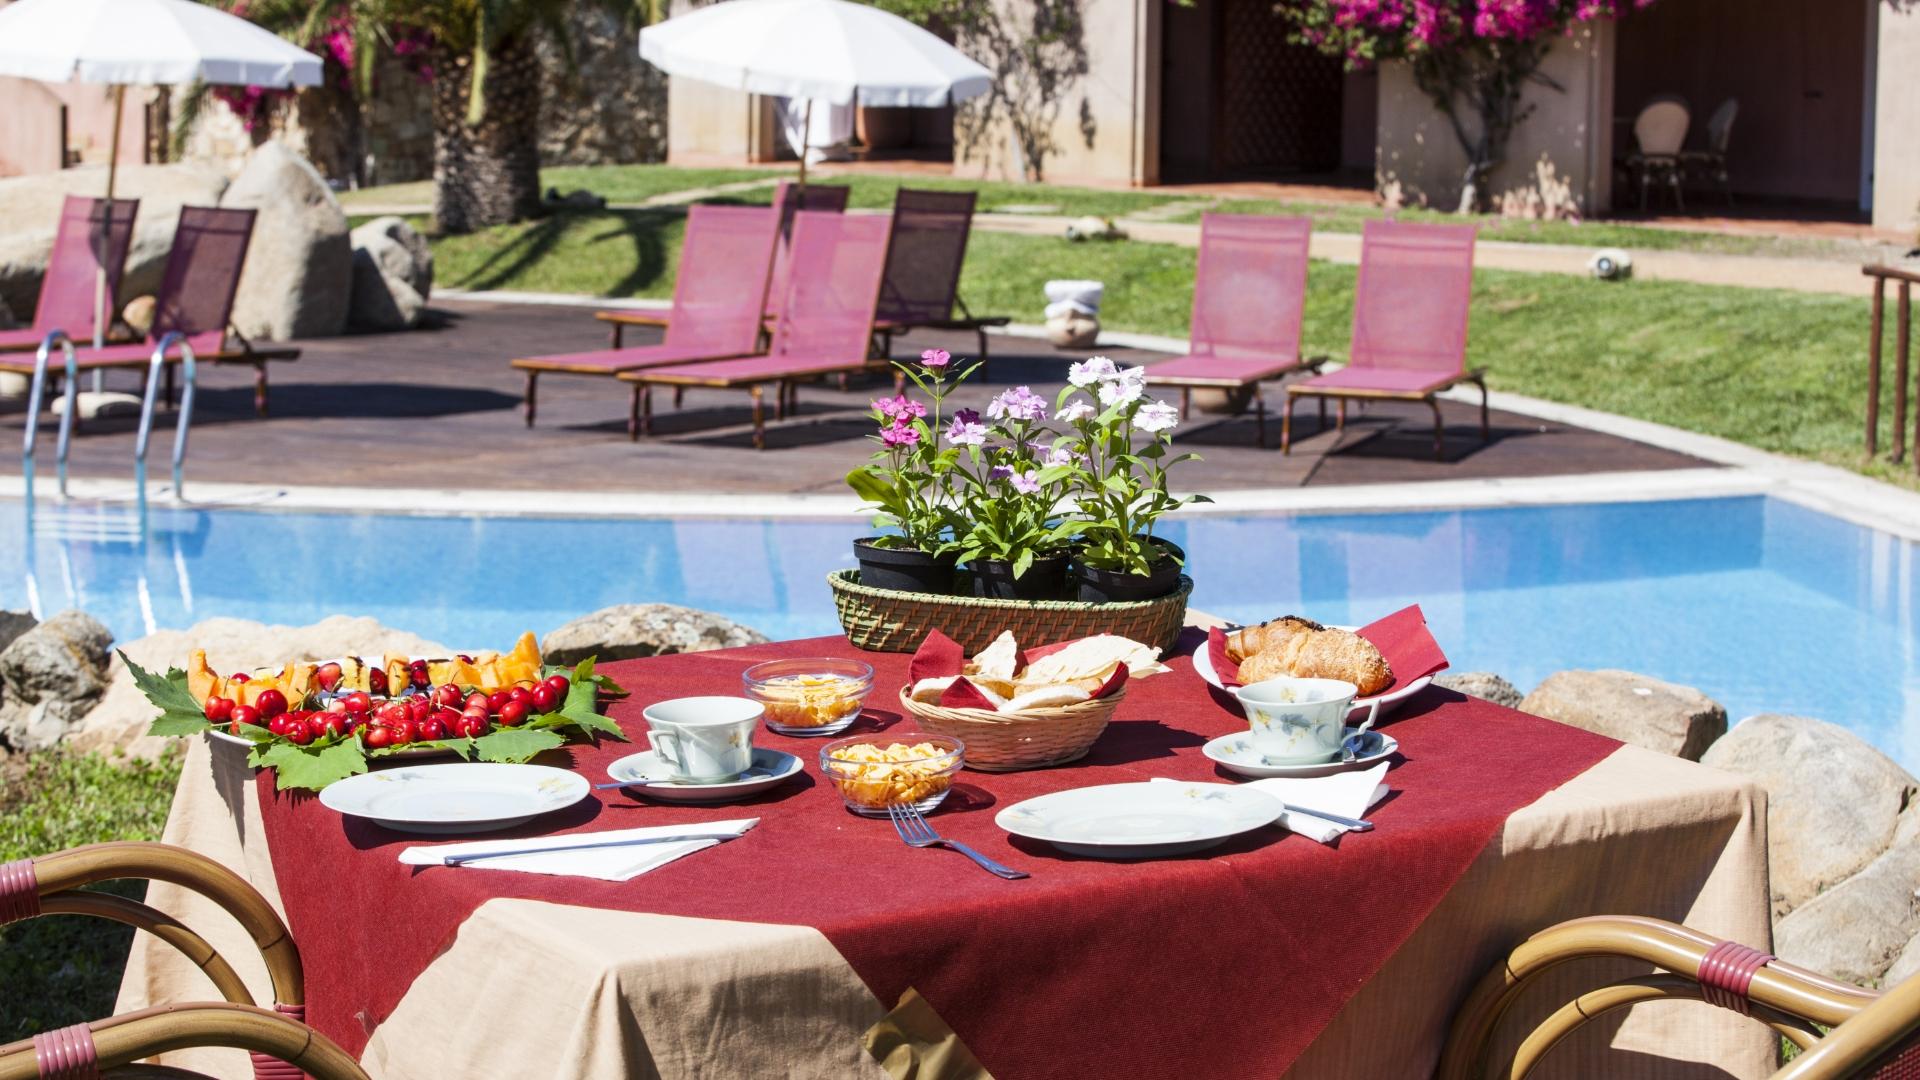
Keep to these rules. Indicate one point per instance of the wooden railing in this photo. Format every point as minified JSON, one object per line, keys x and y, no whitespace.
{"x":1905,"y":279}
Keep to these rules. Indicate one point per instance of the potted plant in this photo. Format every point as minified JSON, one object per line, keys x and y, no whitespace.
{"x":1009,"y":531}
{"x":909,"y":481}
{"x":1118,"y":482}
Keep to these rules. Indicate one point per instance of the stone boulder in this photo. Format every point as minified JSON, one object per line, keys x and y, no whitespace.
{"x":30,"y":215}
{"x":299,"y":272}
{"x":1905,"y":966}
{"x":392,"y":275}
{"x":1858,"y":929}
{"x":1482,"y":684}
{"x":1663,"y":716}
{"x":53,"y":674}
{"x":119,"y":721}
{"x":625,"y":631}
{"x":1833,"y":802}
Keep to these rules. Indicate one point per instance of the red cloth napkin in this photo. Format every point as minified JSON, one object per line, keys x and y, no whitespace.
{"x":1402,"y":637}
{"x":940,"y":657}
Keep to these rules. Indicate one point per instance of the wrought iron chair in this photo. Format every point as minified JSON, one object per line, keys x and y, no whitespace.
{"x":1658,"y":133}
{"x":1711,"y":163}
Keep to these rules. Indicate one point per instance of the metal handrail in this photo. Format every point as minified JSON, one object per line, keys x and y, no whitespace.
{"x":34,"y":400}
{"x":155,"y":365}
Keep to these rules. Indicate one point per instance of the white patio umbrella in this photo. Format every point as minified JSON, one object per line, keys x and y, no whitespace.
{"x":831,"y":50}
{"x":126,"y":43}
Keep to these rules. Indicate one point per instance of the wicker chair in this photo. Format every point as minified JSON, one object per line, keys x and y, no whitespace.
{"x":53,"y":885}
{"x":1872,"y":1034}
{"x":1658,"y":133}
{"x":85,"y":1051}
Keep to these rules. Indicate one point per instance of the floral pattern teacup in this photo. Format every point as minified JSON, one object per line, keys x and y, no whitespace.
{"x":1300,"y":721}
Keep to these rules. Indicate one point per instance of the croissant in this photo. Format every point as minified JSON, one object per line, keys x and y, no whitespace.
{"x":1314,"y":652}
{"x":1268,"y":636}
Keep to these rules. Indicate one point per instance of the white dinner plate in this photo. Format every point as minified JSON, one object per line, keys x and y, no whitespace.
{"x":470,"y":796}
{"x":1141,"y":820}
{"x":1237,"y":754}
{"x":770,"y":769}
{"x":1389,"y":701}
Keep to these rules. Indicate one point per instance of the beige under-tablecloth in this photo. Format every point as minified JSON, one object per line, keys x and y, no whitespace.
{"x":529,"y":989}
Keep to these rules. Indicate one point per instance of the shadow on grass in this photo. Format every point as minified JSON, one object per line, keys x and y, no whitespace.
{"x":642,"y":229}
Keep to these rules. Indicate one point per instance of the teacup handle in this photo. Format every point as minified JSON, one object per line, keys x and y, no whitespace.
{"x":1373,"y":713}
{"x":671,"y":749}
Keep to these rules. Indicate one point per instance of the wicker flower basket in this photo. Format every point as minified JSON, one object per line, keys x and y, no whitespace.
{"x":882,"y":620}
{"x":1009,"y":742}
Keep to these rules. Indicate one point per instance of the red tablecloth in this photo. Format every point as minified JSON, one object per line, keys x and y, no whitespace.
{"x":1200,"y":966}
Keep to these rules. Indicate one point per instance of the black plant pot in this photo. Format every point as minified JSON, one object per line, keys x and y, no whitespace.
{"x":1095,"y":586}
{"x":903,"y":569}
{"x":1045,"y":579}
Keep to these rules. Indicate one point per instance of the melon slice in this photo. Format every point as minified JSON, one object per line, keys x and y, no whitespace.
{"x":202,"y":683}
{"x":399,"y":676}
{"x":526,"y":650}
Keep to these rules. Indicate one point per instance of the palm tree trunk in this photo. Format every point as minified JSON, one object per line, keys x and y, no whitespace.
{"x":487,"y":173}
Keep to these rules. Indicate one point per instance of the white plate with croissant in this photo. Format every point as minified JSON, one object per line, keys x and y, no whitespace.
{"x":1301,"y":647}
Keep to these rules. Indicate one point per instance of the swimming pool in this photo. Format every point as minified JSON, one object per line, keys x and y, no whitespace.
{"x":1766,"y":605}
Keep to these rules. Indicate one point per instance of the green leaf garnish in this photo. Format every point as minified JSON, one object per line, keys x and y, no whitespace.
{"x":311,"y":767}
{"x":179,"y":713}
{"x":517,"y":744}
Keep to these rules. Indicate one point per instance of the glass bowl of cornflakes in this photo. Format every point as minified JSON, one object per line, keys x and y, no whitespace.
{"x":810,"y":697}
{"x":873,"y":772}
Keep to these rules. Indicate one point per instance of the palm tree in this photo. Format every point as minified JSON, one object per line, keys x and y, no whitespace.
{"x":486,"y":85}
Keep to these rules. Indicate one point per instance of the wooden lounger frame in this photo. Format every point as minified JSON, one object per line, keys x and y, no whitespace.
{"x":1476,"y":376}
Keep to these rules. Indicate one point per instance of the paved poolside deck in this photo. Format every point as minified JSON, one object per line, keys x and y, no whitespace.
{"x":439,"y":408}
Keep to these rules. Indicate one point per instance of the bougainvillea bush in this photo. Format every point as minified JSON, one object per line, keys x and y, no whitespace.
{"x":1473,"y":58}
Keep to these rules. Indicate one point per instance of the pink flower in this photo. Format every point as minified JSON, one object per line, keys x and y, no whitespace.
{"x":900,"y":433}
{"x":966,"y":429}
{"x":1019,"y":403}
{"x":1026,"y":483}
{"x":936,"y":358}
{"x":899,"y":407}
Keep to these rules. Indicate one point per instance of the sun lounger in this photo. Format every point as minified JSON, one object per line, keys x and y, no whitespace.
{"x":195,"y":300}
{"x":825,"y":325}
{"x":924,"y":256}
{"x":88,"y":239}
{"x":1249,"y":294}
{"x":718,"y":298}
{"x":788,"y":199}
{"x":1409,"y":325}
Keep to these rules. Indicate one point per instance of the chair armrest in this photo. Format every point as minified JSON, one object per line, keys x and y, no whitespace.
{"x":634,"y":318}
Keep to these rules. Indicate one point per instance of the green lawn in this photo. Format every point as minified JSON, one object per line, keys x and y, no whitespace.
{"x":64,"y":970}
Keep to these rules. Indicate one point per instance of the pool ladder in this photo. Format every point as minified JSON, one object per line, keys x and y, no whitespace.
{"x":155,"y":367}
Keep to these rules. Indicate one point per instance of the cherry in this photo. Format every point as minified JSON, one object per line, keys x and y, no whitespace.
{"x":432,"y":730}
{"x":478,"y":700}
{"x":299,"y":735}
{"x":377,"y":681}
{"x":521,"y":695}
{"x":472,"y":727}
{"x":403,"y":732}
{"x":418,"y":707}
{"x":376,"y":738}
{"x":240,"y":676}
{"x":335,"y":723}
{"x":476,"y":714}
{"x":358,"y":702}
{"x":328,"y":676}
{"x":544,"y":698}
{"x":270,"y":703}
{"x":497,"y":699}
{"x":245,"y":714}
{"x":392,"y":713}
{"x":447,"y":694}
{"x":513,"y":712}
{"x":315,"y":725}
{"x":560,"y":684}
{"x":219,"y":708}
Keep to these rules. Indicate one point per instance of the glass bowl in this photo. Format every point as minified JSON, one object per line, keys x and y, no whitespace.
{"x":819,"y":696}
{"x":873,"y":771}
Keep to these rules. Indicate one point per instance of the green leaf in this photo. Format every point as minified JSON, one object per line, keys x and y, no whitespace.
{"x":581,"y":709}
{"x":310,"y":768}
{"x":870,"y":487}
{"x":179,"y":713}
{"x":517,"y":744}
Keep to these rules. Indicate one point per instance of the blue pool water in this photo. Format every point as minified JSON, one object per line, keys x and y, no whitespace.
{"x":1764,"y":604}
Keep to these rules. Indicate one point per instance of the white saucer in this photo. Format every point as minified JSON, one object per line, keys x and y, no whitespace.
{"x":1235,"y":753}
{"x":1389,"y":701}
{"x":467,"y":797}
{"x":771,"y":768}
{"x":1140,"y":820}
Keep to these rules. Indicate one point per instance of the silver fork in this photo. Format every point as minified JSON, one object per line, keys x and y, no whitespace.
{"x":914,"y":829}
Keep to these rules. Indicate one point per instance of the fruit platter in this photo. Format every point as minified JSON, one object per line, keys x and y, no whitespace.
{"x":318,"y":721}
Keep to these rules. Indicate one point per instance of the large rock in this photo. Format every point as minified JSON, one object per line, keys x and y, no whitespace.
{"x":299,"y":271}
{"x":1482,"y":684}
{"x":120,"y":720}
{"x":625,"y":631}
{"x":1856,"y":930}
{"x":30,"y":215}
{"x":53,"y":673}
{"x":1905,"y":966}
{"x":392,"y":275}
{"x":1833,"y":802}
{"x":1663,"y":716}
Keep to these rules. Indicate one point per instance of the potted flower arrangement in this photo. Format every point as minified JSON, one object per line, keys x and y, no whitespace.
{"x":1118,"y":484}
{"x":909,"y":481}
{"x":1008,"y":490}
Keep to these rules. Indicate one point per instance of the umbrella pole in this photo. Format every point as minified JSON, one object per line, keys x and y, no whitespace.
{"x":806,"y":140}
{"x":100,"y":298}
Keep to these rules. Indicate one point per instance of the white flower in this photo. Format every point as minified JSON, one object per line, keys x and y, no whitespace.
{"x":1120,"y":391}
{"x":1075,"y":411}
{"x":1092,"y":370}
{"x":1156,"y":416}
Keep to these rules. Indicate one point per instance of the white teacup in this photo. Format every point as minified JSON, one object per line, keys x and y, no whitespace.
{"x":704,"y":738}
{"x":1300,"y":721}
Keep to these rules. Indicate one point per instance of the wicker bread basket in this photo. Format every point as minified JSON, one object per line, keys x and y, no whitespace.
{"x":1009,"y":742}
{"x":884,"y":620}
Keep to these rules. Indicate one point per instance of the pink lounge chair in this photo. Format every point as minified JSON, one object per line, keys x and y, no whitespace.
{"x":195,"y":300}
{"x":1249,"y":295}
{"x":788,"y":199}
{"x":89,"y":238}
{"x":1409,"y":324}
{"x":718,"y":298}
{"x":825,"y":325}
{"x":924,"y":257}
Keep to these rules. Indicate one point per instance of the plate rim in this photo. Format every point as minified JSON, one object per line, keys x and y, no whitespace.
{"x":584,"y":789}
{"x":1391,"y":747}
{"x":1237,"y":792}
{"x":799,"y":765}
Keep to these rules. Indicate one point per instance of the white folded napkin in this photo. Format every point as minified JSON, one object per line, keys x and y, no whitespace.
{"x":1349,"y":794}
{"x":605,"y":863}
